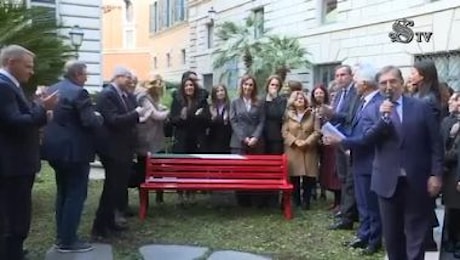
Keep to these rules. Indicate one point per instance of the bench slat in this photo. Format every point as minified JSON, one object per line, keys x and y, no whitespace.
{"x":177,"y":168}
{"x":216,"y":175}
{"x":217,"y":181}
{"x":208,"y":186}
{"x":213,"y":162}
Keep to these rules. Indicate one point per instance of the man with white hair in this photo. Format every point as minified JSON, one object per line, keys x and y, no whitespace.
{"x":369,"y":233}
{"x":20,"y":121}
{"x":116,"y":144}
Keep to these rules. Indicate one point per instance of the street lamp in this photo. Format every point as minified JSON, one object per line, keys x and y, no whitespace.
{"x":211,"y":16}
{"x":76,"y":38}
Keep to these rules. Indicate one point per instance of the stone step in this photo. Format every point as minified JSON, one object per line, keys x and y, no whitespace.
{"x":181,"y":252}
{"x":101,"y":251}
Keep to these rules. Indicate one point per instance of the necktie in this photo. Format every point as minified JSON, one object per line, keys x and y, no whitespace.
{"x":361,"y":104}
{"x":125,"y":101}
{"x":395,"y":119}
{"x":342,"y":97}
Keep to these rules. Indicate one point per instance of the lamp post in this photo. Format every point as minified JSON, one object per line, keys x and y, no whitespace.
{"x":211,"y":16}
{"x":76,"y":38}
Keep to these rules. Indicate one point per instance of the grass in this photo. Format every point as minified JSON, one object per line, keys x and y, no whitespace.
{"x":210,"y":224}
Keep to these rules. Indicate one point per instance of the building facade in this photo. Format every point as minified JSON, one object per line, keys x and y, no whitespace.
{"x":337,"y":32}
{"x":149,"y":37}
{"x":87,"y":15}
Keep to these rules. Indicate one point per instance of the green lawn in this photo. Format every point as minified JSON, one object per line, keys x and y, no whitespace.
{"x":206,"y":224}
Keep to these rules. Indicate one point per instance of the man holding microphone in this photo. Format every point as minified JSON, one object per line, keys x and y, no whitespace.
{"x":407,"y":169}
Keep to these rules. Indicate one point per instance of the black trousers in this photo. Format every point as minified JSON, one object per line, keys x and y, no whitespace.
{"x":113,"y":194}
{"x":348,"y":203}
{"x":15,"y":214}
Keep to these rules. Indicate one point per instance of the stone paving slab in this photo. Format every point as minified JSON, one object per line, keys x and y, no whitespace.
{"x":176,"y":252}
{"x":233,"y":255}
{"x":100,"y":252}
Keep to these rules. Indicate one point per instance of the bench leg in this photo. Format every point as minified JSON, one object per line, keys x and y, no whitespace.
{"x":143,"y":203}
{"x":287,"y":205}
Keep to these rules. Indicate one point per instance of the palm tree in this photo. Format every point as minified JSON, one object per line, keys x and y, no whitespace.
{"x":36,"y":29}
{"x":261,"y":57}
{"x":237,"y":42}
{"x":281,"y":54}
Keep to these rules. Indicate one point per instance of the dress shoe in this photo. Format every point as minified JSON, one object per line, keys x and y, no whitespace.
{"x":120,"y":218}
{"x":129,"y":213}
{"x":338,"y":214}
{"x":341,"y":225}
{"x":431,"y":246}
{"x":96,"y":236}
{"x":117,"y":227}
{"x":371,"y":249}
{"x":356,"y":243}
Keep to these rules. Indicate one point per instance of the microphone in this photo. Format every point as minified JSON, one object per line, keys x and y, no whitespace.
{"x":388,"y":95}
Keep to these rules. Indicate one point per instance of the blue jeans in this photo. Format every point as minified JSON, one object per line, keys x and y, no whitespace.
{"x":72,"y":187}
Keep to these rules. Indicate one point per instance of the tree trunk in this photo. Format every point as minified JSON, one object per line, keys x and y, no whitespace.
{"x":282,"y":72}
{"x":247,"y":59}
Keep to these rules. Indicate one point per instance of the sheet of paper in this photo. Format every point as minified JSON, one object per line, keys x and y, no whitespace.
{"x":329,"y":129}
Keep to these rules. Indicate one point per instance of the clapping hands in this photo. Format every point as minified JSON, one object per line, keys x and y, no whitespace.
{"x":49,"y":101}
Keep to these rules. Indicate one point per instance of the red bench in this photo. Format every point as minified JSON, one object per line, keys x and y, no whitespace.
{"x":216,"y":173}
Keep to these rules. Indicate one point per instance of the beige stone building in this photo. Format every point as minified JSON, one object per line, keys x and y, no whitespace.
{"x":337,"y":32}
{"x":150,"y":37}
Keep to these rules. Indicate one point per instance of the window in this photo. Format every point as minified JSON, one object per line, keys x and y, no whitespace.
{"x":41,"y":1}
{"x":232,"y":74}
{"x":208,"y":81}
{"x":329,"y":11}
{"x":168,"y":60}
{"x":259,"y":23}
{"x":49,"y":13}
{"x":324,"y":73}
{"x":184,"y":56}
{"x":210,"y":36}
{"x":168,"y":13}
{"x":154,"y":17}
{"x":129,"y":38}
{"x":129,"y":12}
{"x":155,"y":62}
{"x":448,"y":66}
{"x":179,"y":12}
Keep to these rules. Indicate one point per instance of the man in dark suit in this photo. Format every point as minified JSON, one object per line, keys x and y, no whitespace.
{"x":341,"y":117}
{"x":20,"y":121}
{"x":369,"y":234}
{"x":116,"y":144}
{"x":69,"y":149}
{"x":407,"y":169}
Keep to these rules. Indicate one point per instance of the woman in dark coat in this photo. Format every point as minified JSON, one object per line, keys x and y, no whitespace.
{"x":274,"y":106}
{"x":190,"y":117}
{"x":451,"y":196}
{"x":220,"y":130}
{"x":424,"y":78}
{"x":328,"y":172}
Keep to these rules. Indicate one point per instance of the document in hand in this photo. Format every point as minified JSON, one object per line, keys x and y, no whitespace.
{"x":329,"y":129}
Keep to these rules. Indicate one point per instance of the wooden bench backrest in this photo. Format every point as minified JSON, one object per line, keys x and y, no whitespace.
{"x":266,"y":167}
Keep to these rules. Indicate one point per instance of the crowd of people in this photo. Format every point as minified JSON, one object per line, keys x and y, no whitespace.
{"x":398,"y":149}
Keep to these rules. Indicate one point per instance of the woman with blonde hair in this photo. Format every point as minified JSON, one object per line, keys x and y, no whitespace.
{"x":150,"y":136}
{"x":301,"y":133}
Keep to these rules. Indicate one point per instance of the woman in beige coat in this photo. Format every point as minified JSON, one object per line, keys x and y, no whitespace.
{"x":301,"y":133}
